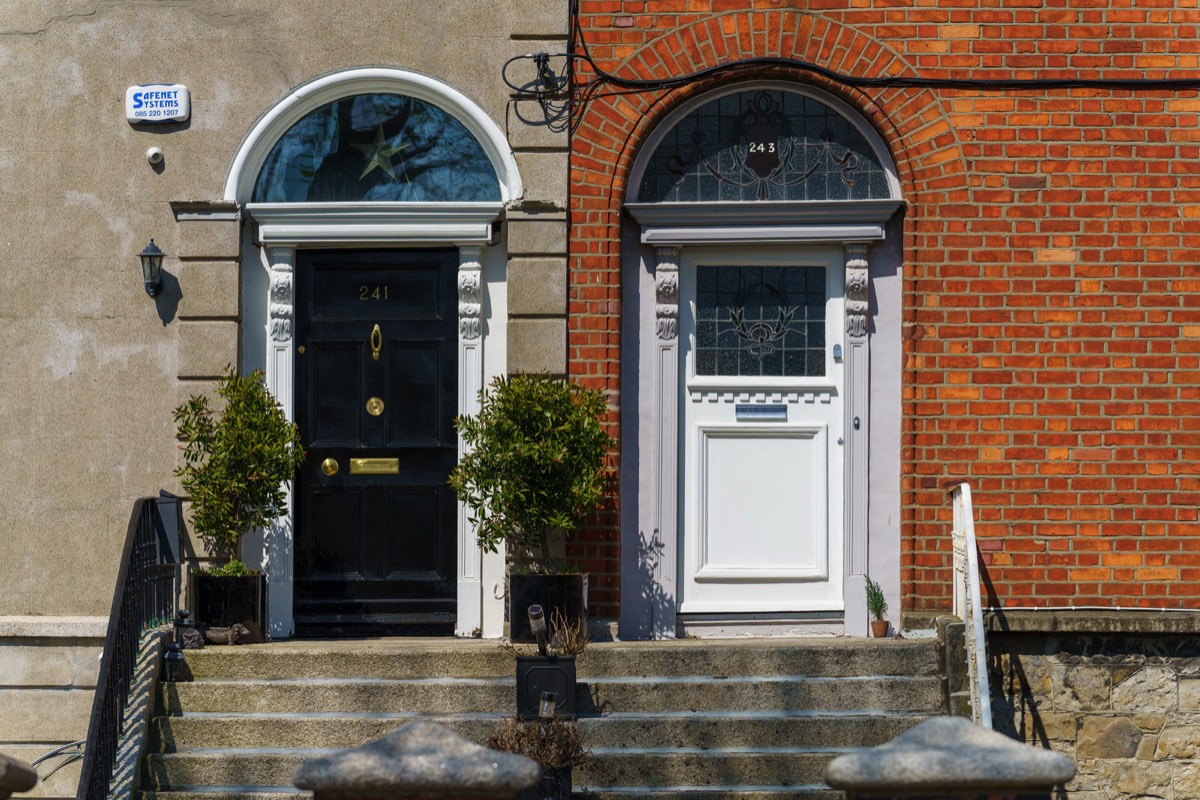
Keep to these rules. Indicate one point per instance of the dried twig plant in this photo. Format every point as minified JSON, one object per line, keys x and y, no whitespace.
{"x":567,"y":638}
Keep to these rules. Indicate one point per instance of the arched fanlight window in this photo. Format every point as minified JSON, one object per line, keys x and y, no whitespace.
{"x":377,"y":147}
{"x":763,"y":144}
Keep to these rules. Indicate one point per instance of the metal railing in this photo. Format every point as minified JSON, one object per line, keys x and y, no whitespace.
{"x":146,"y":597}
{"x":967,"y":604}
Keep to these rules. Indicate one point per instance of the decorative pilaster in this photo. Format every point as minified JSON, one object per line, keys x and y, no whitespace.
{"x":666,"y":471}
{"x":470,"y":382}
{"x":857,"y":453}
{"x":279,"y":546}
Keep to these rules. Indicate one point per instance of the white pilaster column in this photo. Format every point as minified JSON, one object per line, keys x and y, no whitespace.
{"x":666,"y":468}
{"x":858,"y":396}
{"x":280,"y":545}
{"x":470,"y":382}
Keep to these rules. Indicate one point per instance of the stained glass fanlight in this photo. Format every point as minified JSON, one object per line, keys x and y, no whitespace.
{"x":377,"y":147}
{"x":763,"y":144}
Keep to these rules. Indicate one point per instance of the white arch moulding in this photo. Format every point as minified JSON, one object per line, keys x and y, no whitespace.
{"x":280,"y":229}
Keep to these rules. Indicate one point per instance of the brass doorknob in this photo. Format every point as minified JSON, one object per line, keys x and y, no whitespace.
{"x":329,"y":466}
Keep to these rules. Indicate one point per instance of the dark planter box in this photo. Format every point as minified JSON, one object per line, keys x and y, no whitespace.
{"x":537,"y":674}
{"x":565,"y":593}
{"x":555,"y":785}
{"x":220,"y":601}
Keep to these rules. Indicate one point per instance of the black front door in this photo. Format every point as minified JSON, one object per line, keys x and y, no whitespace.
{"x":376,"y":395}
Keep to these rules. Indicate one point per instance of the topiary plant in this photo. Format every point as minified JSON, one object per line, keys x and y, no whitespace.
{"x":534,"y":465}
{"x":236,"y":463}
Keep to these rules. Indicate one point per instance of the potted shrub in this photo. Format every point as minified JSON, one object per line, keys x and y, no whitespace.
{"x":876,"y":607}
{"x":235,"y":464}
{"x":554,"y":744}
{"x":534,"y":467}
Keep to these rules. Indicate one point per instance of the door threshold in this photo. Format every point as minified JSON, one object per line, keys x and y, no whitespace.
{"x":814,"y":623}
{"x":370,"y":626}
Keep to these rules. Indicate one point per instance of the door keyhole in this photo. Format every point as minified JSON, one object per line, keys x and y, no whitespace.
{"x":376,"y":342}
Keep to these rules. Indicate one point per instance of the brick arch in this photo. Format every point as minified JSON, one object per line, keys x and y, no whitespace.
{"x":912,"y":122}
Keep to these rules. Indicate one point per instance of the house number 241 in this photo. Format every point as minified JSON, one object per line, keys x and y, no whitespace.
{"x":372,"y":292}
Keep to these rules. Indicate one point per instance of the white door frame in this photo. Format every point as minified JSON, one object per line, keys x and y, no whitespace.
{"x":650,"y":528}
{"x":282,"y":228}
{"x":669,"y":228}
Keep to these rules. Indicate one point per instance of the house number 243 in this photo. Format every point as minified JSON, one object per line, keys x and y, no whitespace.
{"x":762,"y":147}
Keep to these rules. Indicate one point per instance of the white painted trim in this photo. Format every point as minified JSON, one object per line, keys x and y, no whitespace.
{"x":858,"y":437}
{"x":659,"y":463}
{"x":360,"y":224}
{"x":763,"y":234}
{"x":665,"y":455}
{"x":469,"y":609}
{"x":762,"y":223}
{"x":473,"y":572}
{"x":308,"y":97}
{"x":792,"y":213}
{"x":279,"y":546}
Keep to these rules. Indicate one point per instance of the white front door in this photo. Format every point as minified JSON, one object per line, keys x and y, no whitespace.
{"x":761,"y":416}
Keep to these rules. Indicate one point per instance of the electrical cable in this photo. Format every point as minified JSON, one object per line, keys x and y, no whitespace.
{"x":557,"y":82}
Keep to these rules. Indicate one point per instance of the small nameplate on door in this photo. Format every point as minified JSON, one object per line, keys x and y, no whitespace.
{"x":374,"y":466}
{"x":748,"y":413}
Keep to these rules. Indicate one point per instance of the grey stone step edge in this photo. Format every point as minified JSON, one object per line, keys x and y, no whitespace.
{"x":622,"y":793}
{"x":831,"y":658}
{"x":611,"y":767}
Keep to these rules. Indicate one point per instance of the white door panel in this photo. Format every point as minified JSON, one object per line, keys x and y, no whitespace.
{"x":761,"y":483}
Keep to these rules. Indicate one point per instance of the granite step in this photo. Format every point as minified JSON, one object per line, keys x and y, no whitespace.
{"x":682,"y":720}
{"x":471,"y":658}
{"x":681,"y":729}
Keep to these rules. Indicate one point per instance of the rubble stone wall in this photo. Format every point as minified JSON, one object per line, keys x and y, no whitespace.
{"x":1125,"y":704}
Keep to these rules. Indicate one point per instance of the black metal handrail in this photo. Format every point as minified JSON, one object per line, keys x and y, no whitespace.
{"x":146,"y":597}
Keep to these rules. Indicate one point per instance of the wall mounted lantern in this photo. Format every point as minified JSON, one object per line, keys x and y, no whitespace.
{"x":152,"y":259}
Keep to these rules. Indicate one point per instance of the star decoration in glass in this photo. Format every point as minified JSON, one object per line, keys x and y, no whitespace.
{"x":379,"y":154}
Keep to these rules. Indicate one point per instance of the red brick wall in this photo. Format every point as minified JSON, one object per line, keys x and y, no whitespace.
{"x":1051,"y":278}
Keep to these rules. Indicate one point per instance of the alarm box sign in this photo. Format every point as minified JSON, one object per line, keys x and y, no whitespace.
{"x":157,"y":102}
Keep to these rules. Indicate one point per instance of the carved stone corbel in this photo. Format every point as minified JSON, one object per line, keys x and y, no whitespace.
{"x":666,"y":280}
{"x":858,"y":284}
{"x":470,"y":293}
{"x":283,"y":301}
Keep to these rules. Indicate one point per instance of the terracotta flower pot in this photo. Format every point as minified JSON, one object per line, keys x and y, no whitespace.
{"x":879,"y":628}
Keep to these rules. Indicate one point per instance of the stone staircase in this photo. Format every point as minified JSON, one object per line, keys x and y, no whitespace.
{"x":747,"y":719}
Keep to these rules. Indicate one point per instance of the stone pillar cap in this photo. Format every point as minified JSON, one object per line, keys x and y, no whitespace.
{"x":421,"y":758}
{"x":949,"y":753}
{"x":15,"y":776}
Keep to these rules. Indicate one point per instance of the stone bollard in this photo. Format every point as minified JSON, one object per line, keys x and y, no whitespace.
{"x":419,"y":760}
{"x":15,"y":776}
{"x":949,"y":758}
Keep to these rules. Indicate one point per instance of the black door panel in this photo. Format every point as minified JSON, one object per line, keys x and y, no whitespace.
{"x":376,"y":380}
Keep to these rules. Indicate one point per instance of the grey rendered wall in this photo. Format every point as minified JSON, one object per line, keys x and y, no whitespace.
{"x":92,"y":366}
